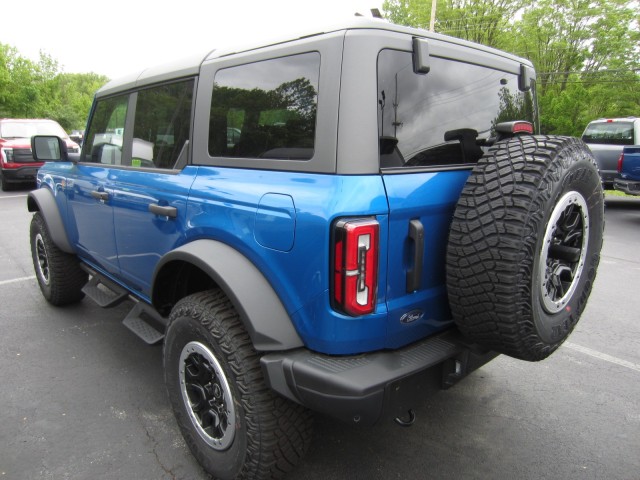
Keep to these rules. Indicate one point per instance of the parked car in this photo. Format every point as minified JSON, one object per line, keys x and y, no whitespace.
{"x":629,"y":170}
{"x":77,"y":136}
{"x":605,"y":138}
{"x":341,"y":222}
{"x":17,"y":165}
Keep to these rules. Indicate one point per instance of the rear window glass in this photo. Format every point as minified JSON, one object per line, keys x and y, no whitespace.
{"x":266,"y":109}
{"x":445,"y":117}
{"x":610,"y":133}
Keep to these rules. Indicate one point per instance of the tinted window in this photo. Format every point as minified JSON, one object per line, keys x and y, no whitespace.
{"x":104,"y":136}
{"x":445,"y":116}
{"x":266,"y":109}
{"x":162,"y":125}
{"x":610,"y":133}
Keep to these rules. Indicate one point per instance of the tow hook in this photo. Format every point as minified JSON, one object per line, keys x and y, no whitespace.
{"x":406,"y":423}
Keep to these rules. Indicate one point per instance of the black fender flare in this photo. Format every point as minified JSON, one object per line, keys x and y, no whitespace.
{"x":260,"y":309}
{"x":43,"y":201}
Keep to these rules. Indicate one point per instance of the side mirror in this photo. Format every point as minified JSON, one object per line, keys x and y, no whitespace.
{"x":46,"y":148}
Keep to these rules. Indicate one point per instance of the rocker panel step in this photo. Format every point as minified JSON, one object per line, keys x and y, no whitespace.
{"x":138,"y":322}
{"x":106,"y":294}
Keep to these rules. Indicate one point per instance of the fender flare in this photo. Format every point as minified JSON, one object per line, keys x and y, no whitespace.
{"x":43,"y":201}
{"x":260,"y":309}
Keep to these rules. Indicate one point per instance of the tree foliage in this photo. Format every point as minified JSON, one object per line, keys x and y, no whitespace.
{"x":586,"y":52}
{"x":40,"y":89}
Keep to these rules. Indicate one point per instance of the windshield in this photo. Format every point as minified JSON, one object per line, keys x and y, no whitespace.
{"x":609,"y":133}
{"x":27,"y":129}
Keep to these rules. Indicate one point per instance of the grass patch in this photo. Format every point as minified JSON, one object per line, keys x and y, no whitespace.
{"x":617,"y":193}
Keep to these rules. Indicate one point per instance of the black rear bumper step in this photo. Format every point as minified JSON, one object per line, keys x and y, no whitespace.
{"x":365,"y":388}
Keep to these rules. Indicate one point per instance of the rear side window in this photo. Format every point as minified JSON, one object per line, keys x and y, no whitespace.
{"x":609,"y":133}
{"x":443,"y":118}
{"x":266,"y":109}
{"x":162,"y":126}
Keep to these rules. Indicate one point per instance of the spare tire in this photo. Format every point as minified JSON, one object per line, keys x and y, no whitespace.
{"x":524,"y":245}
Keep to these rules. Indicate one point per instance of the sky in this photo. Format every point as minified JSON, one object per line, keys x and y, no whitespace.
{"x":118,"y":37}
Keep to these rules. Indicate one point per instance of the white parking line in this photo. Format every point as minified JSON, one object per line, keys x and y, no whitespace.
{"x":16,"y":280}
{"x":13,"y":196}
{"x":602,"y":356}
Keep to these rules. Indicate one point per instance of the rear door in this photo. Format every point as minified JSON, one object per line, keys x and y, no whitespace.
{"x":150,"y":194}
{"x":432,"y":129}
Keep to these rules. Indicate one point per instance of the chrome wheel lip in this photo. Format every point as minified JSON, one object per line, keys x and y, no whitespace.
{"x":226,"y":439}
{"x":550,"y":302}
{"x":42,"y":260}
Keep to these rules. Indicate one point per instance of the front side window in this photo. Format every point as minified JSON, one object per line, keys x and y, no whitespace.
{"x":266,"y":109}
{"x":446,"y":116}
{"x":104,"y":137}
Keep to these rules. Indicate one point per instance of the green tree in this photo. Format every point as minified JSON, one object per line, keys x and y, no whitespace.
{"x":40,"y":89}
{"x":586,"y":52}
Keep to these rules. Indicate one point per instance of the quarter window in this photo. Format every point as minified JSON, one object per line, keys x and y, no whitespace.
{"x":266,"y":109}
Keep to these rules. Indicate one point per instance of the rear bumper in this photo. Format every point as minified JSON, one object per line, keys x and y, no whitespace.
{"x":369,"y":387}
{"x":609,"y":177}
{"x":629,"y":187}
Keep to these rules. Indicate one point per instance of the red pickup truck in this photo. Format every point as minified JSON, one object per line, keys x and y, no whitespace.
{"x":17,"y":165}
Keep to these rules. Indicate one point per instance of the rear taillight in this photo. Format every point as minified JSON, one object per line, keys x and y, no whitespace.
{"x":620,"y":160}
{"x":355,"y":258}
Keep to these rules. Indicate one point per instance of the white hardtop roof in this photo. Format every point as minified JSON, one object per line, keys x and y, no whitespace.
{"x":191,"y":65}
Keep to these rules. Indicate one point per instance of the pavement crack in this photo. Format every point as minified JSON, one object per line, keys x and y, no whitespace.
{"x":154,"y":450}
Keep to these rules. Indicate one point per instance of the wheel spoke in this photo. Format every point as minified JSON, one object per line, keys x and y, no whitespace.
{"x":207,"y":395}
{"x":562,"y":257}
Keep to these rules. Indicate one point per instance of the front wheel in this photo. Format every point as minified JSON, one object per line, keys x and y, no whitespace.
{"x":234,"y":424}
{"x":59,"y":275}
{"x":524,"y":245}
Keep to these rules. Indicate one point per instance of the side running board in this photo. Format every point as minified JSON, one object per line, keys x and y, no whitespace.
{"x":144,"y":321}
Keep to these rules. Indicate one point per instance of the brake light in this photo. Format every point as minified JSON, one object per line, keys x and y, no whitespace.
{"x":620,"y":160}
{"x":355,"y":258}
{"x":522,"y":127}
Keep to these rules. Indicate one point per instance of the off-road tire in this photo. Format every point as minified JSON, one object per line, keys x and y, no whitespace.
{"x":6,"y":186}
{"x":255,"y":433}
{"x":525,"y":243}
{"x":58,"y":273}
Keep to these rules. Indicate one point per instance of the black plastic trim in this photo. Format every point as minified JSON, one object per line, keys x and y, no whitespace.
{"x":367,"y":387}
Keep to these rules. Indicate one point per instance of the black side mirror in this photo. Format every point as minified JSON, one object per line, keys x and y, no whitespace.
{"x":46,"y":148}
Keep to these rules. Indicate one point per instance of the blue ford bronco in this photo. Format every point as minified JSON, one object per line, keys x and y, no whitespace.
{"x":341,"y":222}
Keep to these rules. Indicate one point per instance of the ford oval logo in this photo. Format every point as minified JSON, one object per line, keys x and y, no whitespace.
{"x":411,"y":316}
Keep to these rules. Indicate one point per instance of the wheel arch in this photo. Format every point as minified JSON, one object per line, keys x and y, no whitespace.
{"x":43,"y":201}
{"x":205,"y":264}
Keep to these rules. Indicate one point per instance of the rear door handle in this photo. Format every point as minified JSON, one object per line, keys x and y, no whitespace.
{"x":164,"y":211}
{"x":98,"y":195}
{"x":414,"y":274}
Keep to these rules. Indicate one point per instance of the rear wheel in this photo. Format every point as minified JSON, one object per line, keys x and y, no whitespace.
{"x":525,"y":244}
{"x":233,"y":423}
{"x":58,"y":273}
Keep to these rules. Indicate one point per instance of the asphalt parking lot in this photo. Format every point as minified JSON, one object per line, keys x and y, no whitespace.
{"x":83,"y":398}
